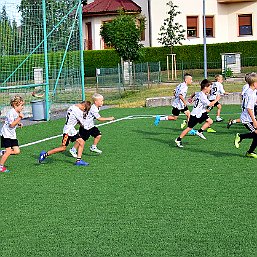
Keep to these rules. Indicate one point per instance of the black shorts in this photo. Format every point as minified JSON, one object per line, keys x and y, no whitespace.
{"x":85,"y":134}
{"x":66,"y":139}
{"x":193,"y":120}
{"x":8,"y":142}
{"x":176,"y":111}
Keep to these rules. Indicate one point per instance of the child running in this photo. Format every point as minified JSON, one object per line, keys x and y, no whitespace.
{"x":217,"y":89}
{"x":199,"y":113}
{"x":179,"y":103}
{"x":8,"y":132}
{"x":74,"y":116}
{"x":245,"y":87}
{"x":247,"y":116}
{"x":88,"y":127}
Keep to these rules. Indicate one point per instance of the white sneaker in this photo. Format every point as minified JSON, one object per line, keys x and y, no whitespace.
{"x":73,"y":153}
{"x":178,"y":143}
{"x":2,"y":152}
{"x":200,"y":135}
{"x":219,"y":119}
{"x":95,"y":150}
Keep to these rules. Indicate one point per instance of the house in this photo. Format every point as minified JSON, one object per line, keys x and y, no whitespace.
{"x":226,"y":20}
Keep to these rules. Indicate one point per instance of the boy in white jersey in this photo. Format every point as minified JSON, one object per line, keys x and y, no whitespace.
{"x":74,"y":116}
{"x":179,"y":103}
{"x":8,"y":132}
{"x":217,"y":89}
{"x":88,"y":127}
{"x":247,"y":116}
{"x":245,"y":87}
{"x":199,"y":113}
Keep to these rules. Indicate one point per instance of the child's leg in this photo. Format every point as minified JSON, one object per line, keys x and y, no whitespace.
{"x":184,"y":132}
{"x":206,"y":125}
{"x":8,"y":152}
{"x":81,"y":144}
{"x":96,"y":140}
{"x":187,"y":113}
{"x":57,"y":150}
{"x":254,"y":143}
{"x":218,"y":110}
{"x":76,"y":145}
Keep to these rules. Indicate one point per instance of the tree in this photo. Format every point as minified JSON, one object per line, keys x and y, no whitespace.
{"x":123,"y":34}
{"x":171,"y":32}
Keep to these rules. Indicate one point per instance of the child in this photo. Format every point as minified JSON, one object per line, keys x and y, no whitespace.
{"x":74,"y":116}
{"x":245,"y":87}
{"x":247,"y":116}
{"x":199,"y":113}
{"x":217,"y":89}
{"x":88,"y":127}
{"x":179,"y":103}
{"x":8,"y":132}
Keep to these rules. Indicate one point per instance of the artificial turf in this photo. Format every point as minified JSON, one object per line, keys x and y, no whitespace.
{"x":142,"y":196}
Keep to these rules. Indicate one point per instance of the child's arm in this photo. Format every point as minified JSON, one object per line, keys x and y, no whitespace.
{"x":211,"y":104}
{"x":190,"y":99}
{"x":251,"y":113}
{"x":105,"y":119}
{"x":17,"y":121}
{"x":183,"y":99}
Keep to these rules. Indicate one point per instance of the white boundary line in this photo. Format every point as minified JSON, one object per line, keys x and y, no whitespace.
{"x":103,"y":124}
{"x":99,"y":125}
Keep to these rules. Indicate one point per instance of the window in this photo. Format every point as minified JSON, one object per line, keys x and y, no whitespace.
{"x":192,"y":26}
{"x":209,"y":21}
{"x":245,"y":24}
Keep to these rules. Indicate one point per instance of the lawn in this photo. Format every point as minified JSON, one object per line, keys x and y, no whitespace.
{"x":142,"y":196}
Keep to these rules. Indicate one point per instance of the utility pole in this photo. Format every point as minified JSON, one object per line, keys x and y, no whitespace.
{"x":204,"y":42}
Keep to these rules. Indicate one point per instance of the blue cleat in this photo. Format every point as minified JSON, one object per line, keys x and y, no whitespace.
{"x":81,"y":163}
{"x":157,"y":120}
{"x":42,"y":156}
{"x":192,"y":132}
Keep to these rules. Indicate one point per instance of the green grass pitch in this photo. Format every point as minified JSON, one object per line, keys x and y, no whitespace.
{"x":142,"y":196}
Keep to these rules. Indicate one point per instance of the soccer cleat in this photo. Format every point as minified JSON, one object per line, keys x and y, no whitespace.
{"x":192,"y":132}
{"x":251,"y":155}
{"x":219,"y":119}
{"x":95,"y":150}
{"x":81,"y":163}
{"x":183,"y":124}
{"x":73,"y":153}
{"x":178,"y":143}
{"x":230,"y":123}
{"x":2,"y":152}
{"x":200,"y":134}
{"x":157,"y":120}
{"x":3,"y":169}
{"x":237,"y":140}
{"x":42,"y":156}
{"x":211,"y":130}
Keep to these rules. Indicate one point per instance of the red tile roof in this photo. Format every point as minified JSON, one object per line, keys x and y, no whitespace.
{"x":110,"y":6}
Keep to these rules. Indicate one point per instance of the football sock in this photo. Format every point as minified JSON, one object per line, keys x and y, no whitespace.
{"x":78,"y":159}
{"x":233,"y":121}
{"x":164,"y":118}
{"x":45,"y":155}
{"x":93,"y":146}
{"x":179,"y":138}
{"x":200,"y":130}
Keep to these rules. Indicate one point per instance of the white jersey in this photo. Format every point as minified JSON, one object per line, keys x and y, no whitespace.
{"x":93,"y":114}
{"x":245,"y":87}
{"x":74,"y":116}
{"x":216,"y":89}
{"x":181,"y":89}
{"x":200,"y":104}
{"x":7,"y":131}
{"x":249,"y":100}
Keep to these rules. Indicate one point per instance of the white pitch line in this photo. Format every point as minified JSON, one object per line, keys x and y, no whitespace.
{"x":53,"y":137}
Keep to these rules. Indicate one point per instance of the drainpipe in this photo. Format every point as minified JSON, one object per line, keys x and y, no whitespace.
{"x":149,"y":22}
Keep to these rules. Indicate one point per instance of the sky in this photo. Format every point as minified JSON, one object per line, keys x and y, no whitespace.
{"x":11,"y":8}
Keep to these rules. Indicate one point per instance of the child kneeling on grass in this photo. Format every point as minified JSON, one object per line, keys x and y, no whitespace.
{"x":74,"y":116}
{"x":8,"y":132}
{"x":199,"y":113}
{"x":88,"y":127}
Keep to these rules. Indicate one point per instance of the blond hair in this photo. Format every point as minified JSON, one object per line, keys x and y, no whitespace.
{"x":251,"y":78}
{"x":16,"y":100}
{"x":218,"y":76}
{"x":96,"y":96}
